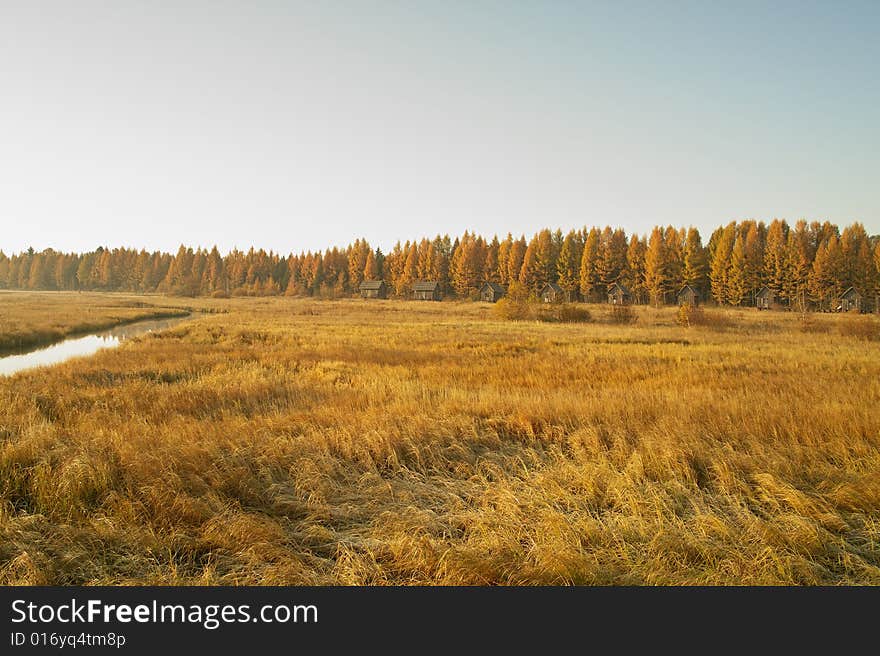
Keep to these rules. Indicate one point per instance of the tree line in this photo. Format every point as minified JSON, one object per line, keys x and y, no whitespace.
{"x":804,"y":263}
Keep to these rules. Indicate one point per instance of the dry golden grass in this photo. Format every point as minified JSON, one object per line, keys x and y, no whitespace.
{"x":305,"y":442}
{"x":31,"y":318}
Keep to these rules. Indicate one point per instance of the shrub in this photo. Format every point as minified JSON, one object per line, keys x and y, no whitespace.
{"x":512,"y":309}
{"x":572,"y":313}
{"x":518,"y":304}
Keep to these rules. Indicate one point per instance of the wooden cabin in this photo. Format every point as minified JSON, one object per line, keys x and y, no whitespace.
{"x":765,"y":298}
{"x":552,"y":293}
{"x":490,"y":292}
{"x":687,"y":295}
{"x":850,"y":301}
{"x":427,"y":290}
{"x":618,"y":294}
{"x":374,"y":289}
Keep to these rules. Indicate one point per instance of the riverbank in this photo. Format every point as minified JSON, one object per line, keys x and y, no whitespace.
{"x":29,"y":319}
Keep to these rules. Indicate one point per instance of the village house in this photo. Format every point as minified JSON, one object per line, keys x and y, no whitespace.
{"x":374,"y":289}
{"x":427,"y":290}
{"x":552,"y":293}
{"x":765,"y":298}
{"x":618,"y":294}
{"x":687,"y":295}
{"x":490,"y":292}
{"x":850,"y":301}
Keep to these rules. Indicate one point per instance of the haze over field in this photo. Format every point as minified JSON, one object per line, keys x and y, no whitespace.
{"x":294,"y":125}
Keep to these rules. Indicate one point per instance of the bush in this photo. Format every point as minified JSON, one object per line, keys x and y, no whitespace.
{"x":513,"y":309}
{"x":219,"y":293}
{"x":531,"y":309}
{"x":623,"y":314}
{"x":572,"y":313}
{"x":518,"y":304}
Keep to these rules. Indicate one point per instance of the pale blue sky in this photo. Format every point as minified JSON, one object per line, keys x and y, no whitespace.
{"x":297,"y":125}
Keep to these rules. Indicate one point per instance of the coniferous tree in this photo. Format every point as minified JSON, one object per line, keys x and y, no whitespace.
{"x":611,"y":261}
{"x":656,"y":281}
{"x":568,"y":265}
{"x":504,"y":247}
{"x":515,"y":260}
{"x":694,"y":260}
{"x":590,"y":282}
{"x":371,"y":268}
{"x":635,"y":261}
{"x":775,"y":258}
{"x":720,"y":265}
{"x":735,"y":284}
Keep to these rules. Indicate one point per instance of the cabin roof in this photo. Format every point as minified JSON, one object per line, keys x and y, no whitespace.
{"x":621,"y":287}
{"x":551,"y":286}
{"x":494,"y":286}
{"x":372,"y":285}
{"x":687,"y":287}
{"x":765,"y":291}
{"x":850,"y":291}
{"x":425,"y":285}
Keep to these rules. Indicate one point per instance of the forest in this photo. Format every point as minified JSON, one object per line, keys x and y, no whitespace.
{"x":807,"y":264}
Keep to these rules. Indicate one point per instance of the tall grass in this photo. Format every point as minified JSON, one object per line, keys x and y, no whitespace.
{"x":32,"y":318}
{"x":343,"y":442}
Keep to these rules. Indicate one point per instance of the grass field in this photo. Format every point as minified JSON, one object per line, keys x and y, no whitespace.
{"x":349,"y":442}
{"x":33,"y":318}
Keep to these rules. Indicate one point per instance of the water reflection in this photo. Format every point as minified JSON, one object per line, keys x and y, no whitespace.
{"x":82,"y":346}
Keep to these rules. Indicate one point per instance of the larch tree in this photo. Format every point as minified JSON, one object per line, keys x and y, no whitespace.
{"x":656,"y":281}
{"x":425,"y":266}
{"x":515,"y":259}
{"x":503,"y":256}
{"x":589,"y":270}
{"x":527,"y":270}
{"x":490,"y":265}
{"x":673,"y":247}
{"x":410,"y":271}
{"x":371,"y":268}
{"x":568,"y":265}
{"x":720,"y":265}
{"x":753,"y":258}
{"x":858,"y":258}
{"x":775,"y":258}
{"x":539,"y":265}
{"x":695,"y":264}
{"x":799,"y":259}
{"x":635,"y":262}
{"x":735,"y":285}
{"x":877,"y":271}
{"x":822,"y":273}
{"x":611,"y":264}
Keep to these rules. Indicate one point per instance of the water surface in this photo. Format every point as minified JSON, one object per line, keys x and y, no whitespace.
{"x":83,"y":345}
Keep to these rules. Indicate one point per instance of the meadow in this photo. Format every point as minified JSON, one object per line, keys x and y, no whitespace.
{"x":284,"y":441}
{"x":33,"y":318}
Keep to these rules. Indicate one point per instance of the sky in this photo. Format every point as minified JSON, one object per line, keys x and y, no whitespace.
{"x":300,"y":125}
